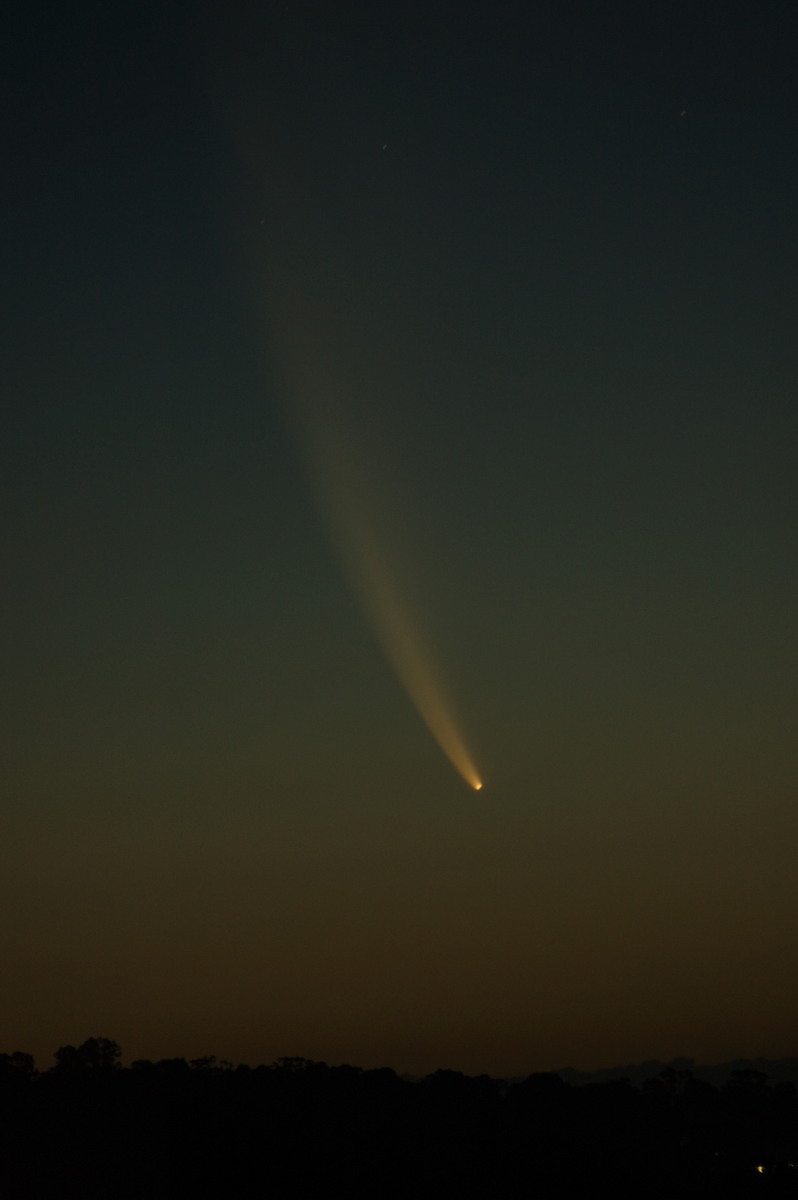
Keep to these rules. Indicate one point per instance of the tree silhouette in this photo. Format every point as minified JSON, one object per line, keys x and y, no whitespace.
{"x":95,"y":1054}
{"x":18,"y":1064}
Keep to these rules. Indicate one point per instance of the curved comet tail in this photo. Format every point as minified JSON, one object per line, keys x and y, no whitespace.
{"x":316,"y":337}
{"x":411,"y":661}
{"x":363,"y":563}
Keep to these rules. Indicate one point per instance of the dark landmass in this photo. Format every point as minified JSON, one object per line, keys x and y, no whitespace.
{"x":90,"y":1128}
{"x":777,"y":1070}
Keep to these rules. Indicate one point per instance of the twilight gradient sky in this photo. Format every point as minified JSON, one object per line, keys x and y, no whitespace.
{"x":516,"y":285}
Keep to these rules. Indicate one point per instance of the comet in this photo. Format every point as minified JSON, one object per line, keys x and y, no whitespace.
{"x":364,"y":561}
{"x":321,"y":355}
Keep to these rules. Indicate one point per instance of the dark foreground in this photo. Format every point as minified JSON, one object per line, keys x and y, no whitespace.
{"x":89,"y":1128}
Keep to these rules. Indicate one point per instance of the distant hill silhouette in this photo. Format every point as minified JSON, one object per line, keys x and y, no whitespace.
{"x":778,"y":1070}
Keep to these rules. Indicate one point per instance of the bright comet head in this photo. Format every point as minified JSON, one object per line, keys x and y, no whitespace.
{"x":477,"y":787}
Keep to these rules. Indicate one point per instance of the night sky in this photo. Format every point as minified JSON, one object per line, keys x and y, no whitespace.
{"x":495,"y":302}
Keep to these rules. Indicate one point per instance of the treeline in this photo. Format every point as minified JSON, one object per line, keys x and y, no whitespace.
{"x":90,"y":1128}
